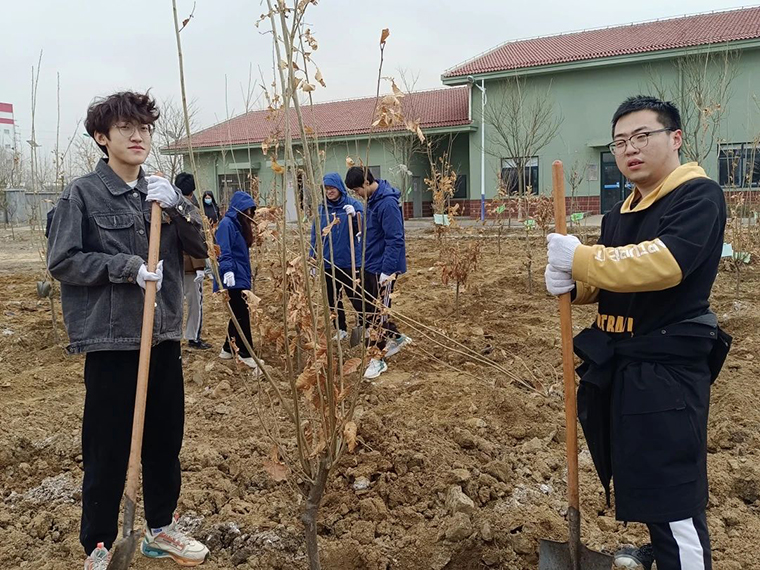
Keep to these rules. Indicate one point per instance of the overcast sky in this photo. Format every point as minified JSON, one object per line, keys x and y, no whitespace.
{"x":101,"y":46}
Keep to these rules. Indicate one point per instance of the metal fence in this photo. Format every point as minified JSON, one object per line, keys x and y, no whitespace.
{"x":21,"y":207}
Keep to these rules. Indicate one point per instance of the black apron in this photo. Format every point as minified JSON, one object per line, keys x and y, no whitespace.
{"x":643,"y":404}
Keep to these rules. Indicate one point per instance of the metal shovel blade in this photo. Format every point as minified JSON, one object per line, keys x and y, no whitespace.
{"x":556,"y":556}
{"x":123,"y":551}
{"x":357,"y":334}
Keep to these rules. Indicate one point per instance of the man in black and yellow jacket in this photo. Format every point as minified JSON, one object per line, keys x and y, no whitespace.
{"x":655,"y":348}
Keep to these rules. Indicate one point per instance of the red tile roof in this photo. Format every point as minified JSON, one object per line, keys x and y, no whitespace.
{"x":690,"y":31}
{"x":438,"y":108}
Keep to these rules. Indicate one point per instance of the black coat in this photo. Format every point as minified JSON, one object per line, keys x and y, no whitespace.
{"x":643,"y":404}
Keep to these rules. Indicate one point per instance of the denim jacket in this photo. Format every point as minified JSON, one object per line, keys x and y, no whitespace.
{"x":98,"y":241}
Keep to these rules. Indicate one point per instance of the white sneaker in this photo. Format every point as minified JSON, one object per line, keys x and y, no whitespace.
{"x":249,"y":361}
{"x":341,"y":335}
{"x":98,"y":559}
{"x":395,"y":345}
{"x":376,"y":367}
{"x":168,"y":542}
{"x":224,"y":355}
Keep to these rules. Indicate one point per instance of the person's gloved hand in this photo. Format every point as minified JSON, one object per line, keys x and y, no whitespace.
{"x":160,"y":190}
{"x":558,"y":282}
{"x":229,"y":279}
{"x":385,"y":279}
{"x":313,"y":272}
{"x":349,"y":210}
{"x":561,"y":250}
{"x":144,"y":275}
{"x":199,"y":273}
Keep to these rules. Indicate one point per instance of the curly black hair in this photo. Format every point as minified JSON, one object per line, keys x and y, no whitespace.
{"x":128,"y":106}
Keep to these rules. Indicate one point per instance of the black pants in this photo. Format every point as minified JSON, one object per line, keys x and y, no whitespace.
{"x":376,"y":295}
{"x":240,"y":310}
{"x":110,"y":378}
{"x":682,"y":545}
{"x":335,"y":289}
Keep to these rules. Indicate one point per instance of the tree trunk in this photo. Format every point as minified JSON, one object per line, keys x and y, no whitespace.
{"x":530,"y":276}
{"x":311,"y":512}
{"x":498,"y":239}
{"x":738,"y":278}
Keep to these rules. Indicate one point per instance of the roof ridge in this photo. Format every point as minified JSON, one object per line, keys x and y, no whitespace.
{"x":333,"y":101}
{"x":596,"y":29}
{"x":349,"y":100}
{"x":368,"y":97}
{"x":442,"y":106}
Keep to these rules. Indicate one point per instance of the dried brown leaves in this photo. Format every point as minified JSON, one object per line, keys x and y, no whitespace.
{"x":328,"y":228}
{"x":442,"y":184}
{"x":389,"y":112}
{"x":460,"y":259}
{"x":276,"y":469}
{"x":349,"y":435}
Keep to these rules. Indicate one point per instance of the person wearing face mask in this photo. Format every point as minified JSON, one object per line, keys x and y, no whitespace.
{"x":210,"y":207}
{"x":194,"y":273}
{"x":235,"y":237}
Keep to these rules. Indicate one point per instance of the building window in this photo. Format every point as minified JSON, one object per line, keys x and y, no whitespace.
{"x":739,"y":165}
{"x":510,"y":176}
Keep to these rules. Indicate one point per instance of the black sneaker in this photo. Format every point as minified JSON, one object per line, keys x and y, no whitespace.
{"x":632,"y":557}
{"x":198,"y":344}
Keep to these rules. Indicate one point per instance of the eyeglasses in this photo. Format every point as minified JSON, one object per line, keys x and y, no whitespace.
{"x":129,"y":129}
{"x":638,"y":141}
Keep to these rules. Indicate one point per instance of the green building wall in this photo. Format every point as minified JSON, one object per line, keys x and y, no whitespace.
{"x":585,"y":100}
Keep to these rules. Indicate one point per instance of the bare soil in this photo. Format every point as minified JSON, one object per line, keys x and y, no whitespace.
{"x":439,"y":433}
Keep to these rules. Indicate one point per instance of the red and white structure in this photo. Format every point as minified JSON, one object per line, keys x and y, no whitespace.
{"x":7,"y":127}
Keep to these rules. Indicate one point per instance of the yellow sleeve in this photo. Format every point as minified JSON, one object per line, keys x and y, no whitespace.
{"x":646,"y":266}
{"x":585,"y":294}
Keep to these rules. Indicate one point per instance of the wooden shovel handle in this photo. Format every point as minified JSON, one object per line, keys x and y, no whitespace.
{"x":146,"y":341}
{"x":353,"y":251}
{"x":568,"y":368}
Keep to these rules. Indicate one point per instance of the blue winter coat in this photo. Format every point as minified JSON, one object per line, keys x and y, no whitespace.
{"x":229,"y":237}
{"x":386,"y":248}
{"x":341,"y":243}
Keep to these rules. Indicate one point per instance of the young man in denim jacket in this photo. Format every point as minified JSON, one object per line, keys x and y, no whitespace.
{"x":97,"y":249}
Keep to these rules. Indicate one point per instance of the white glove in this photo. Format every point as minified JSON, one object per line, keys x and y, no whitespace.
{"x":229,"y":279}
{"x":558,"y":282}
{"x":561,"y":250}
{"x":313,"y":272}
{"x":384,"y":278}
{"x":199,"y":273}
{"x":160,"y":190}
{"x":144,"y":275}
{"x":349,"y":210}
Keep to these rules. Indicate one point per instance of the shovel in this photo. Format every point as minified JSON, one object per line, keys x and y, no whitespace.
{"x":570,"y":555}
{"x":123,"y":550}
{"x":357,"y":333}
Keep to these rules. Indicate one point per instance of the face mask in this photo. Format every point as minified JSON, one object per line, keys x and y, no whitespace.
{"x":207,"y":201}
